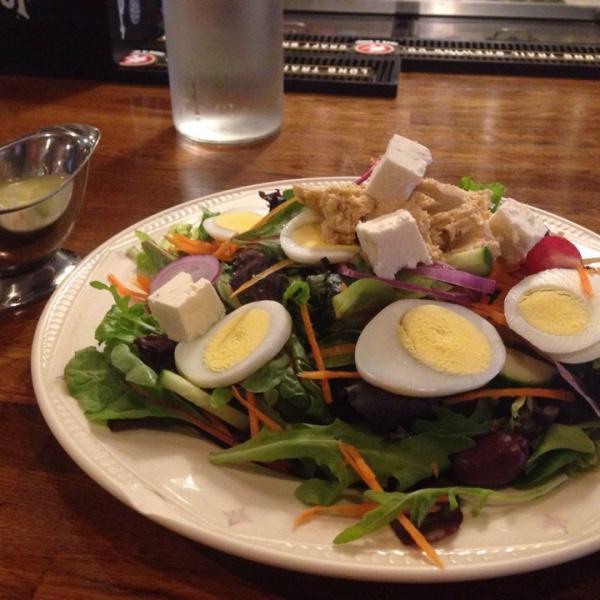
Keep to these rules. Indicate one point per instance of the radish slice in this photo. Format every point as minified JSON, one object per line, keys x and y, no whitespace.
{"x":552,"y":252}
{"x":197,"y":265}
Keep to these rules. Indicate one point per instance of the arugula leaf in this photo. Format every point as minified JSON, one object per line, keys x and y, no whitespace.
{"x":273,"y":224}
{"x":420,"y":502}
{"x":497,"y":189}
{"x":407,"y":461}
{"x":449,"y":421}
{"x":123,"y":323}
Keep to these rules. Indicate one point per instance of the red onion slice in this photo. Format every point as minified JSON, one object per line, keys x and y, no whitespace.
{"x":569,"y":378}
{"x":447,"y":274}
{"x":197,"y":265}
{"x":458,"y":296}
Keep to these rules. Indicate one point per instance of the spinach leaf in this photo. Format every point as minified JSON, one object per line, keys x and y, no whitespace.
{"x":107,"y":393}
{"x":268,"y":376}
{"x":558,"y":448}
{"x":102,"y":392}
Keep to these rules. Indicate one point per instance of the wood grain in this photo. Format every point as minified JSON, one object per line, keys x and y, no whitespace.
{"x":61,"y":535}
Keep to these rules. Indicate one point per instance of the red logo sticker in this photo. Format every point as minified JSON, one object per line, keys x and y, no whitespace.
{"x":374,"y":47}
{"x":138,"y":58}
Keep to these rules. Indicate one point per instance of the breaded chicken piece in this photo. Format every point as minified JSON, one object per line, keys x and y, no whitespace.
{"x":343,"y":206}
{"x":450,"y":218}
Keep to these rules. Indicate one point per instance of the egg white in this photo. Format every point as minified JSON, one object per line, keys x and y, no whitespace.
{"x":222,"y":234}
{"x":309,"y":256}
{"x":560,"y":279}
{"x":580,"y":356}
{"x":189,"y":356}
{"x":382,"y":361}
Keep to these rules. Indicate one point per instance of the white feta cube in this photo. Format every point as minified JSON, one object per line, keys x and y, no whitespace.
{"x":398,"y":172}
{"x":517,"y":228}
{"x":186,"y":309}
{"x":392,"y":242}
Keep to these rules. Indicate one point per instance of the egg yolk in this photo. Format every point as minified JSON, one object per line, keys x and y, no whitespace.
{"x":555,"y":311}
{"x":237,"y":220}
{"x":236,"y":339}
{"x":443,"y":340}
{"x":309,"y":236}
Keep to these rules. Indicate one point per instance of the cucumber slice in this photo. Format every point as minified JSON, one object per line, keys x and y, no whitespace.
{"x":522,"y":369}
{"x":192,"y":393}
{"x":473,"y":260}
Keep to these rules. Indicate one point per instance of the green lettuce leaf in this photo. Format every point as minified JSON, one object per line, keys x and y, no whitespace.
{"x":497,"y":189}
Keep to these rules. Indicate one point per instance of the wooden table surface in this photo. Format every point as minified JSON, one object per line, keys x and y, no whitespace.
{"x":61,"y":534}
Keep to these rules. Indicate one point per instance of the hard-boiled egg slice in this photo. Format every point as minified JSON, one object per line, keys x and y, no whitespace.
{"x":229,"y":223}
{"x":551,"y":311}
{"x":427,"y":348}
{"x":236,"y":346}
{"x":579,"y":356}
{"x":301,"y":241}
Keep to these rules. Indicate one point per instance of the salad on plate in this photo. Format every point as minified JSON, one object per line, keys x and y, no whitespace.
{"x":411,"y":350}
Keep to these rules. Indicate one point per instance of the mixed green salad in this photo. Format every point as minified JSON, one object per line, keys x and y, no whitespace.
{"x":382,"y":458}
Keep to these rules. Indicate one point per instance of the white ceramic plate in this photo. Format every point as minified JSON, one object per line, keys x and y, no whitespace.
{"x":248,"y":511}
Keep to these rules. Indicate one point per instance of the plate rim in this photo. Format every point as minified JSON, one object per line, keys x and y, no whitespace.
{"x":240,"y":547}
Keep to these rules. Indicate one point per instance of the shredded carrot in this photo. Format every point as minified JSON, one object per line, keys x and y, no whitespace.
{"x":352,"y":455}
{"x":584,"y":278}
{"x":143,"y":282}
{"x":487,"y":310}
{"x":325,"y":374}
{"x":252,"y":418}
{"x":358,"y":463}
{"x":189,"y":246}
{"x":256,"y":278}
{"x":123,"y":290}
{"x":226,"y":250}
{"x":565,"y":395}
{"x":270,"y":423}
{"x":346,"y":509}
{"x":316,"y":351}
{"x":337,"y":350}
